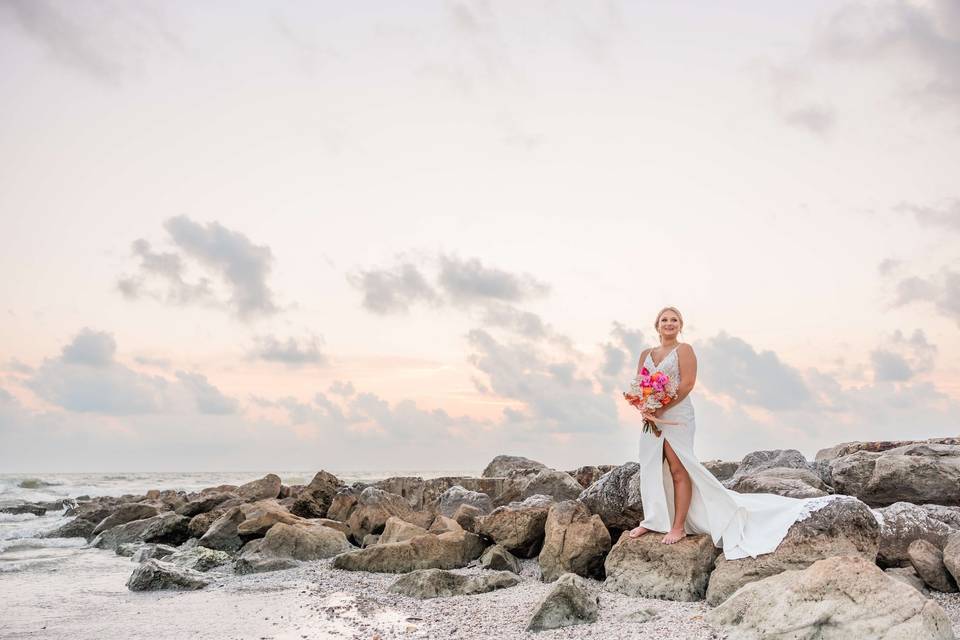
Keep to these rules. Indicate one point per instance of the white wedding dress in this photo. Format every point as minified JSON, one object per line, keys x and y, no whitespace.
{"x":743,"y":524}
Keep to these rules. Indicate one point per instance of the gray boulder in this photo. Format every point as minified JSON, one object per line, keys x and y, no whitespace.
{"x":908,"y":575}
{"x":900,"y":524}
{"x":917,"y":473}
{"x":397,"y":530}
{"x":502,"y":465}
{"x":315,"y":499}
{"x":783,"y":481}
{"x":450,"y":550}
{"x":375,"y":506}
{"x":518,"y":526}
{"x":439,"y":583}
{"x":146,"y":552}
{"x":205,"y":502}
{"x":927,"y":560}
{"x":757,"y":461}
{"x":574,"y":542}
{"x":559,"y":485}
{"x":266,"y":488}
{"x":648,"y":568}
{"x":154,"y":575}
{"x":571,"y":601}
{"x":835,"y":598}
{"x":843,"y":526}
{"x":199,"y":558}
{"x":615,"y":497}
{"x":126,"y":513}
{"x":287,"y":545}
{"x":721,"y":469}
{"x":452,"y":498}
{"x":496,"y":558}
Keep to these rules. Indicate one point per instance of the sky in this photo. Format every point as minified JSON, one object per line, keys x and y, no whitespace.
{"x":413,"y":236}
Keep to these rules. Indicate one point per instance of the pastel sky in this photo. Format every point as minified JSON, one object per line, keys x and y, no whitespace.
{"x":411,"y":236}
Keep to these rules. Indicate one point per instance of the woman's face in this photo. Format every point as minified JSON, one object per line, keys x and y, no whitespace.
{"x":669,"y":324}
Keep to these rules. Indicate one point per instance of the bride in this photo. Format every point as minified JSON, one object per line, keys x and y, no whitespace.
{"x":679,"y":495}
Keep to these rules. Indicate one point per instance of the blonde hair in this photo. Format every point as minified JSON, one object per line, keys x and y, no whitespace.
{"x":656,"y":322}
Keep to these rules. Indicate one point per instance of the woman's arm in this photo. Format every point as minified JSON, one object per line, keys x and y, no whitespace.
{"x":688,"y":376}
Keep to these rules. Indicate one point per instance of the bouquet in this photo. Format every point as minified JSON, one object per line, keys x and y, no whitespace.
{"x":649,"y":393}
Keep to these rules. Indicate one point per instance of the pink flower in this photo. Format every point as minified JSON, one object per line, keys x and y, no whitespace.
{"x":644,"y":372}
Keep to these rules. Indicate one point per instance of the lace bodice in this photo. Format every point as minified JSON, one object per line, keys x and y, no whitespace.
{"x":670,"y":365}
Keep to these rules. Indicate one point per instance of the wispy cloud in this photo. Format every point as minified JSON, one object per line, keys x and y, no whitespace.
{"x":292,"y":351}
{"x":223,"y":254}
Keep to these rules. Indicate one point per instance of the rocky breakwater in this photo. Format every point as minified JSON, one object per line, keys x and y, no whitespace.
{"x":875,"y":545}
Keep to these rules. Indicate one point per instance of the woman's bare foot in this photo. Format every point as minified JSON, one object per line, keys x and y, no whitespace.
{"x":638,"y":531}
{"x":674,"y":536}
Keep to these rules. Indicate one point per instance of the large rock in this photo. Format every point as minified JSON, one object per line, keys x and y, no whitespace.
{"x":721,"y":469}
{"x":467,"y":516}
{"x":126,"y":513}
{"x":948,"y":515}
{"x":502,"y":465}
{"x":846,"y":448}
{"x":518,"y":526}
{"x":587,"y":475}
{"x":315,"y":499}
{"x":266,"y":488}
{"x":452,"y":498}
{"x":574,"y":542}
{"x":424,"y":495}
{"x":648,"y":568}
{"x":76,"y":528}
{"x":223,"y":534}
{"x":782,"y":481}
{"x":146,"y":552}
{"x":927,"y":561}
{"x":375,"y":506}
{"x":167,"y":528}
{"x":757,"y":461}
{"x":900,"y":524}
{"x":205,"y":502}
{"x":571,"y":601}
{"x":397,"y":530}
{"x":449,"y":550}
{"x":153,"y":575}
{"x":260,"y":516}
{"x":951,"y":556}
{"x":286,"y":545}
{"x":439,"y":583}
{"x":616,"y":497}
{"x":836,"y":598}
{"x":198,"y":558}
{"x":559,"y":485}
{"x":918,"y":473}
{"x":844,"y":526}
{"x":343,"y":503}
{"x":496,"y":558}
{"x":908,"y":575}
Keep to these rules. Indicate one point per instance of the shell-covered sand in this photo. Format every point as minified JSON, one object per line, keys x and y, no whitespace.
{"x":85,"y":598}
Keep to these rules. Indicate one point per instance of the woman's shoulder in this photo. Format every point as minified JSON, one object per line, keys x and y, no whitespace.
{"x":684,"y":347}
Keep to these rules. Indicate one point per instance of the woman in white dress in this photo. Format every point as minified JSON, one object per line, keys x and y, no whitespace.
{"x":679,"y":495}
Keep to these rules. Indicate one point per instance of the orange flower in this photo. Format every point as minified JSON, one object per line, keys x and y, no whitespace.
{"x":647,"y":391}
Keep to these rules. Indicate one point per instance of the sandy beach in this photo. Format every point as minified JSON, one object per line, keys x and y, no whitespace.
{"x":85,"y":598}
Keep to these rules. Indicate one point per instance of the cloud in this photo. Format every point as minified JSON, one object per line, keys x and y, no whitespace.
{"x":107,"y":41}
{"x":900,"y":358}
{"x":942,"y":290}
{"x":728,"y":365}
{"x":293,"y":352}
{"x":392,"y":290}
{"x":229,"y":256}
{"x":617,"y":364}
{"x":86,"y":378}
{"x":789,"y":88}
{"x":16,"y":366}
{"x":889,"y":366}
{"x":946,"y":217}
{"x":469,"y":281}
{"x":149,"y":361}
{"x":342,"y":388}
{"x":924,"y":36}
{"x":207,"y":397}
{"x":555,"y":398}
{"x":524,"y":323}
{"x":94,"y":348}
{"x":244,"y":265}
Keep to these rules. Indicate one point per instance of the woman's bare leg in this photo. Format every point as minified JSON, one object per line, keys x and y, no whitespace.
{"x":682,"y":493}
